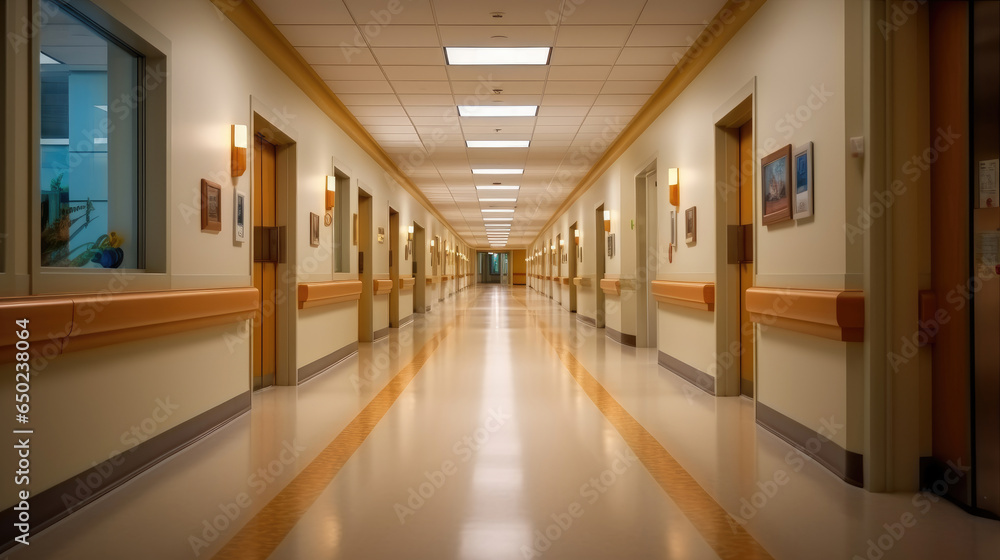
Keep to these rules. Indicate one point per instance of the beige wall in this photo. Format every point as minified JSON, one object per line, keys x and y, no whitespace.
{"x":806,"y":380}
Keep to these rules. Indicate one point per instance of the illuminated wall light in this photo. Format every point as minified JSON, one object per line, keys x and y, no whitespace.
{"x":674,"y":183}
{"x":576,"y":236}
{"x":239,"y":149}
{"x":607,"y":221}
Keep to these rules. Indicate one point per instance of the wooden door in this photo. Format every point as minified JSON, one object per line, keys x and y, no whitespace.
{"x":746,"y":268}
{"x":264,"y":273}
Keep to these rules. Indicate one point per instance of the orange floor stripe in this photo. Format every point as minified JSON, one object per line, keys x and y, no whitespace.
{"x":723,"y":533}
{"x":261,"y":535}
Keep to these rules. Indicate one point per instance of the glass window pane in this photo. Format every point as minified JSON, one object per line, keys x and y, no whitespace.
{"x":90,"y":106}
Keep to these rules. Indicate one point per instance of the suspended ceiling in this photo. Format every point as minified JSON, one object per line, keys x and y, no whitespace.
{"x":385,"y":60}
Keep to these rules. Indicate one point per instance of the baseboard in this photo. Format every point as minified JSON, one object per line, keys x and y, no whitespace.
{"x":405,"y":321}
{"x":309,"y":371}
{"x":847,"y":465}
{"x":380,"y":334}
{"x":689,"y":373}
{"x":620,"y":338}
{"x":587,"y":320}
{"x":54,"y":504}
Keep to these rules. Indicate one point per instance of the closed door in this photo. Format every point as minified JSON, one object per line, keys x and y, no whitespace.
{"x":746,"y":267}
{"x":264,"y":273}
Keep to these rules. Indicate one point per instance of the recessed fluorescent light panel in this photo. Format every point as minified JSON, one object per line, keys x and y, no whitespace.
{"x":497,"y":110}
{"x":497,"y":187}
{"x":497,"y":200}
{"x":497,"y":171}
{"x":498,"y":210}
{"x":497,"y":143}
{"x":498,"y":219}
{"x":464,"y":56}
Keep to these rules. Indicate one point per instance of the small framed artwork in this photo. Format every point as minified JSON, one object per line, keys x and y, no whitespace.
{"x":211,"y":206}
{"x":313,"y":229}
{"x":611,"y":245}
{"x":381,"y":235}
{"x":691,"y":224}
{"x":803,"y":158}
{"x":239,"y":217}
{"x":776,"y":178}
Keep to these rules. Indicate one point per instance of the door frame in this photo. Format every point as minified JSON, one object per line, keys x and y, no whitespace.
{"x":419,"y":255}
{"x":572,"y":259}
{"x":646,"y":243}
{"x":394,"y":265}
{"x":286,"y":148}
{"x":737,"y":111}
{"x":366,"y":305}
{"x":600,"y":264}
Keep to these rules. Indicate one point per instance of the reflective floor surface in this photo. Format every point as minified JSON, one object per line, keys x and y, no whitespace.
{"x":500,"y":427}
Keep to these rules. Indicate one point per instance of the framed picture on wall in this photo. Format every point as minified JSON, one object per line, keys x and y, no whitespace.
{"x":211,"y":206}
{"x":803,"y":159}
{"x":239,"y":217}
{"x":313,"y":229}
{"x":691,"y":224}
{"x":776,"y":181}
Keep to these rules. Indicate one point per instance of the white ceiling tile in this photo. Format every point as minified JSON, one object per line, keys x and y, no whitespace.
{"x":385,"y":137}
{"x":553,"y":137}
{"x":340,"y":72}
{"x":593,"y":36}
{"x":496,"y":73}
{"x":680,"y":11}
{"x":485,"y":88}
{"x":579,"y":73}
{"x":614,"y":110}
{"x":557,"y":111}
{"x":359,"y":86}
{"x":436,"y":121}
{"x":497,"y":35}
{"x":426,"y":100}
{"x":368,"y":99}
{"x":321,"y":35}
{"x":390,"y":129}
{"x":507,"y":132}
{"x":440,"y":111}
{"x":620,"y":11}
{"x":376,"y":121}
{"x":402,"y":36}
{"x":622,"y":72}
{"x":559,"y":121}
{"x":336,"y":55}
{"x":415,"y":73}
{"x":409,"y":56}
{"x":664,"y":35}
{"x":379,"y":13}
{"x":621,"y":99}
{"x":571,"y":100}
{"x":631,"y":87}
{"x":563,"y":129}
{"x":304,"y":11}
{"x":578,"y":88}
{"x":584,"y":56}
{"x":661,"y":56}
{"x":515,"y":12}
{"x":376,"y":110}
{"x":403,"y":86}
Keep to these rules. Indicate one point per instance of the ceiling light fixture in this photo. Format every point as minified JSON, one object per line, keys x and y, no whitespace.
{"x":497,"y":143}
{"x":497,"y":200}
{"x":464,"y":56}
{"x":497,"y":219}
{"x":497,"y":187}
{"x":498,"y":210}
{"x":497,"y":110}
{"x":497,"y":171}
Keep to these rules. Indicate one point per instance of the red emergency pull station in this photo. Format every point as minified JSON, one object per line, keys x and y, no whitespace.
{"x":998,"y":269}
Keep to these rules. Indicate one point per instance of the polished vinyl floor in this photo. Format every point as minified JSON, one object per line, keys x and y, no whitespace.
{"x":500,"y":427}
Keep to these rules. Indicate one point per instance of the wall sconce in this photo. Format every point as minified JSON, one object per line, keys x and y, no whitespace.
{"x":409,"y":233}
{"x":607,"y":221}
{"x":576,"y":236}
{"x":239,"y":149}
{"x":562,"y":243}
{"x":674,"y":182}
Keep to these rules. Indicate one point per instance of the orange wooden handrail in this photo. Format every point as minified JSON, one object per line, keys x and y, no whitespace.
{"x":696,"y":295}
{"x":80,"y":322}
{"x":580,"y":281}
{"x":315,"y":294}
{"x":565,"y":281}
{"x":611,"y":286}
{"x":383,"y":287}
{"x":834,"y":314}
{"x":407,"y":284}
